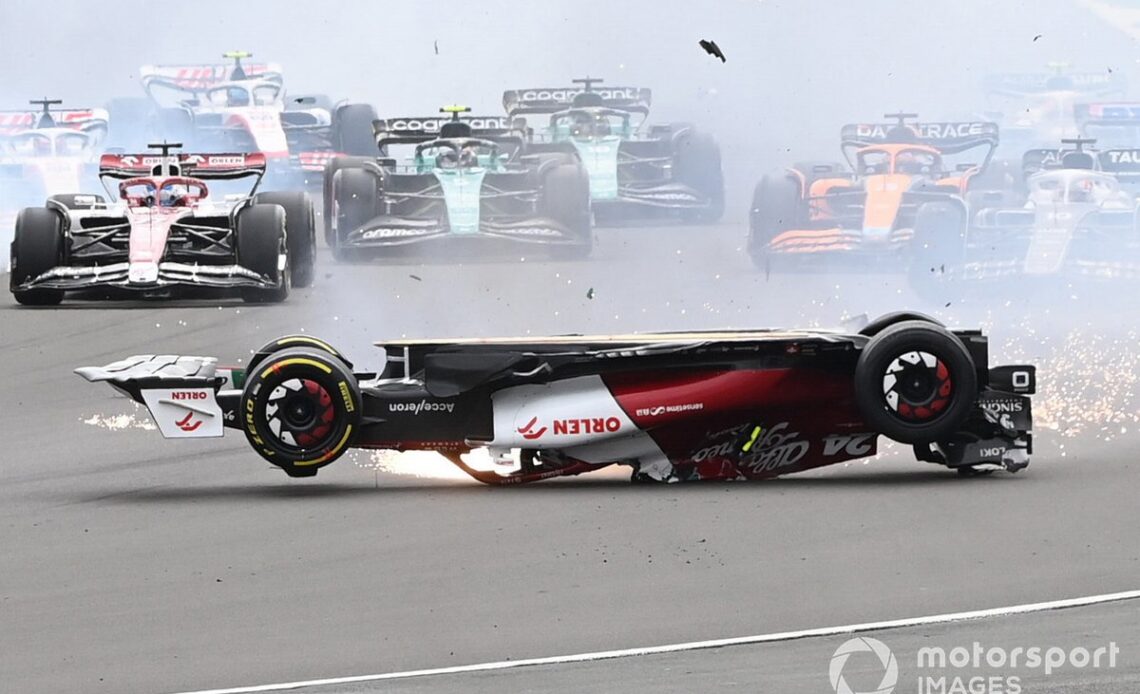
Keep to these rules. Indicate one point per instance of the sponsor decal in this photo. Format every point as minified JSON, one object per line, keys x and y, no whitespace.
{"x":529,"y":432}
{"x":530,"y":231}
{"x":394,"y":233}
{"x":669,"y":409}
{"x":992,"y":452}
{"x":586,"y":425}
{"x":928,"y":131}
{"x":346,"y":395}
{"x":232,"y":160}
{"x":422,"y":406}
{"x":1004,"y":406}
{"x":1123,"y":156}
{"x":773,"y":449}
{"x":188,"y":395}
{"x":433,"y":125}
{"x":1115,"y":111}
{"x":569,"y":94}
{"x":851,"y":444}
{"x":188,"y":423}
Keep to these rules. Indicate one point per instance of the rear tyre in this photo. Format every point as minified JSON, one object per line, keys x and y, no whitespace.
{"x":300,"y":232}
{"x":38,"y":246}
{"x":301,"y":409}
{"x":566,"y":200}
{"x":355,"y":194}
{"x":352,"y":130}
{"x":261,"y":242}
{"x":915,"y":382}
{"x":775,"y":208}
{"x":697,"y":164}
{"x":888,"y":319}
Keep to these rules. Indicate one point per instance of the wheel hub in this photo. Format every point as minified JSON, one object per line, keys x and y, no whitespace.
{"x":917,"y":386}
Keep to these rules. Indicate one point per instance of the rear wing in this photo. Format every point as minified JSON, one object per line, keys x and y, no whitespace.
{"x":519,"y":102}
{"x":949,"y":137}
{"x":204,"y":166}
{"x":1107,"y":113}
{"x":12,"y":122}
{"x":415,"y":130}
{"x":203,"y":76}
{"x":1029,"y":83}
{"x":1121,"y":162}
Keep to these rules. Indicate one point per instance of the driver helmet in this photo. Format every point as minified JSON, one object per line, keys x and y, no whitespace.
{"x":172,"y":196}
{"x":447,"y":159}
{"x":910,"y":162}
{"x":468,"y":157}
{"x":237,"y":96}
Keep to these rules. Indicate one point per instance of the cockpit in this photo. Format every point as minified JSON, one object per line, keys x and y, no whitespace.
{"x":1064,"y":187}
{"x":895,"y":159}
{"x":243,"y":94}
{"x":458,"y":155}
{"x":55,"y":142}
{"x":171,"y":192}
{"x":590,"y":124}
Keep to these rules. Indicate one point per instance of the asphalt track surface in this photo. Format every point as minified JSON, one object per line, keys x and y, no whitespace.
{"x":131,"y":564}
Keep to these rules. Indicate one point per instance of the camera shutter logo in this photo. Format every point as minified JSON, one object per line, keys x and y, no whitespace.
{"x":864,"y":645}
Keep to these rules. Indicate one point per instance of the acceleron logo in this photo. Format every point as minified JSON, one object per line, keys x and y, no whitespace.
{"x":864,"y":644}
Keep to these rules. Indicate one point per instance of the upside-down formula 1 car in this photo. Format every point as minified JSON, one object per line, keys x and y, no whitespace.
{"x":679,"y":406}
{"x":634,"y":168}
{"x":243,"y":107}
{"x":165,"y":233}
{"x":48,"y":151}
{"x":1077,"y":222}
{"x":468,"y":181}
{"x":815,"y":212}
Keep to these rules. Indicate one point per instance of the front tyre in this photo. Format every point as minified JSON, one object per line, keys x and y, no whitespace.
{"x":36,"y":248}
{"x":261,"y":245}
{"x":300,"y":232}
{"x":915,"y":382}
{"x":300,"y":409}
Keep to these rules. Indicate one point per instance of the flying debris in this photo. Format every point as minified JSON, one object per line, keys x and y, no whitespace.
{"x":712,"y":49}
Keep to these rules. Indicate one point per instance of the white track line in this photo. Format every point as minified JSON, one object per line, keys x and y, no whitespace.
{"x":690,"y":646}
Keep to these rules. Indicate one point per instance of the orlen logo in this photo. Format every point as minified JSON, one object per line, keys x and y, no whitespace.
{"x":188,"y":395}
{"x":529,"y":432}
{"x":591,"y":425}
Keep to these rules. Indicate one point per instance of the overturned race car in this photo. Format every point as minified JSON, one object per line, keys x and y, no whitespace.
{"x":673,"y":406}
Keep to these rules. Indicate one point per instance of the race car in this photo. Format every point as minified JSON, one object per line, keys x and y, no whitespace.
{"x":672,"y":406}
{"x":813,"y":211}
{"x":243,"y":107}
{"x":166,"y":232}
{"x":1036,"y":110}
{"x":1112,"y":125}
{"x":467,"y":181}
{"x":634,"y":168}
{"x":1077,"y":222}
{"x":48,"y":151}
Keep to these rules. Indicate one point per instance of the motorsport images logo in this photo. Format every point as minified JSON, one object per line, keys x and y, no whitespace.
{"x":864,"y":644}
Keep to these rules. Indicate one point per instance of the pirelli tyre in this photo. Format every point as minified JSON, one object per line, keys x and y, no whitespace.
{"x":915,"y":382}
{"x":352,"y":130}
{"x":327,"y":206}
{"x":697,"y":165}
{"x":888,"y":319}
{"x":566,"y":200}
{"x":300,"y":409}
{"x":290,"y":341}
{"x":355,"y":193}
{"x":37,"y":247}
{"x":300,"y":232}
{"x":260,"y":244}
{"x":775,"y":208}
